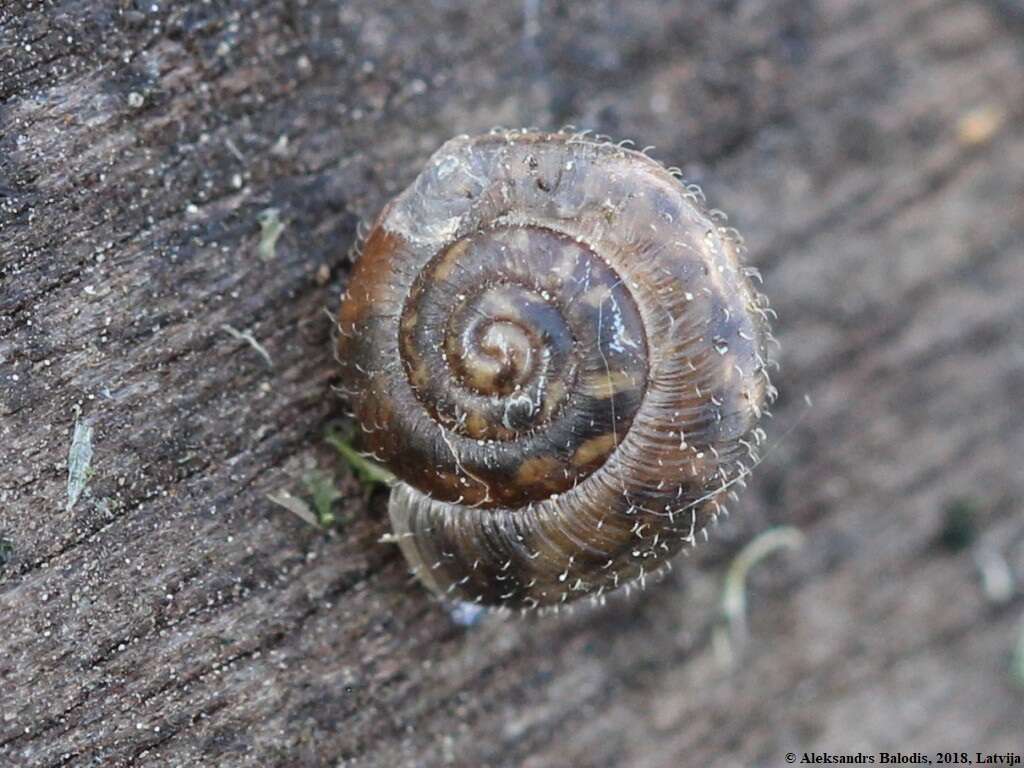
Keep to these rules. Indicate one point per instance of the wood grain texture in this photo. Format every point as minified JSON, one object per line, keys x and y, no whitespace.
{"x":870,"y":152}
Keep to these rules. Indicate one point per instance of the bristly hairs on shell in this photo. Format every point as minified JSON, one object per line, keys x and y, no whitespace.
{"x":695,"y":195}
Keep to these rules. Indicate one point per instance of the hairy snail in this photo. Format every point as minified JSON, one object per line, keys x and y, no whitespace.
{"x":554,"y":345}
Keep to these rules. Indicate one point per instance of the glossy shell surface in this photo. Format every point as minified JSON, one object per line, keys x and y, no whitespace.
{"x":556,"y":348}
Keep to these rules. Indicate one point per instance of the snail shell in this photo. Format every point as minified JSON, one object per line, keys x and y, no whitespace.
{"x":555,"y":347}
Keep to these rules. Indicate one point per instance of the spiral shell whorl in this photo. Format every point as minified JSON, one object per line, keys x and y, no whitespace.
{"x":555,"y":347}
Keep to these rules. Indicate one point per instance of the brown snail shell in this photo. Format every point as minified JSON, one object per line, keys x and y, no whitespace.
{"x":555,"y":347}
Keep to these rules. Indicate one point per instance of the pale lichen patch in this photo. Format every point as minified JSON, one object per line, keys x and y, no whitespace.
{"x":79,"y":462}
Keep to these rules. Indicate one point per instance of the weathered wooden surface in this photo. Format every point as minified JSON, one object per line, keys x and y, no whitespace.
{"x":872,"y":152}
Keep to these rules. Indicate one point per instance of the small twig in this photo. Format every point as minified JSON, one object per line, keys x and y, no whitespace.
{"x":368,"y":472}
{"x":249,"y":339}
{"x":296,"y":506}
{"x":734,"y":591}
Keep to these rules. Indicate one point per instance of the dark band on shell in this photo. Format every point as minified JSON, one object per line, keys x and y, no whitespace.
{"x":555,"y":347}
